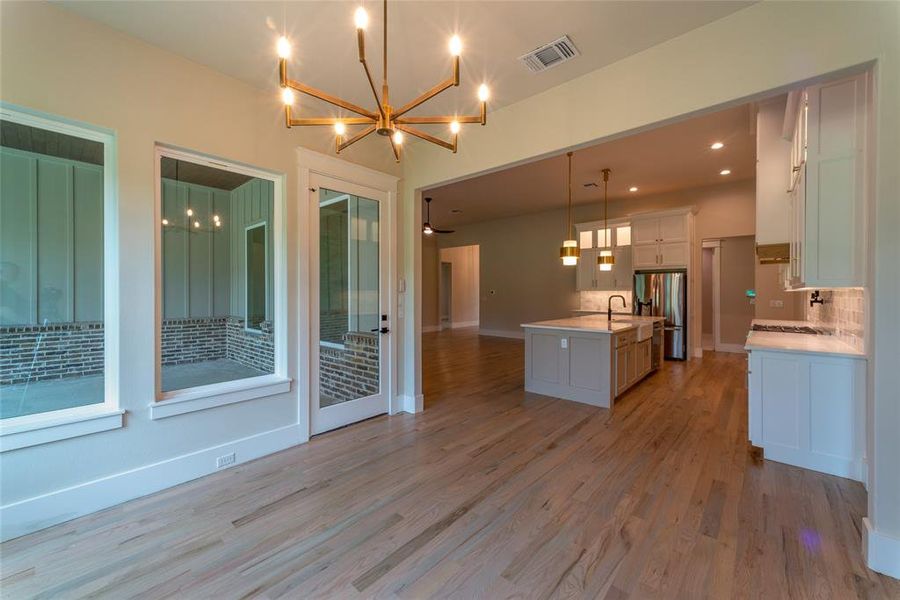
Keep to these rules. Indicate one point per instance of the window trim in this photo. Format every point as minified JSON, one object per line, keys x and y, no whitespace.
{"x":41,"y":428}
{"x":247,"y":229}
{"x":203,"y":397}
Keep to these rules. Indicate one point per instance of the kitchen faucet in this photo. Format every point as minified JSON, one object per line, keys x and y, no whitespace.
{"x":609,"y":305}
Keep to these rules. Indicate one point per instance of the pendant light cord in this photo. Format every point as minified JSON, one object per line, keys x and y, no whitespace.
{"x":570,"y":219}
{"x":606,"y":231}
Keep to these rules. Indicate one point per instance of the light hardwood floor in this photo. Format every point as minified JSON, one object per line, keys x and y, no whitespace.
{"x":491,"y":493}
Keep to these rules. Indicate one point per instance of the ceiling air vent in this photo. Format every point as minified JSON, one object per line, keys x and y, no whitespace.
{"x":550,"y":55}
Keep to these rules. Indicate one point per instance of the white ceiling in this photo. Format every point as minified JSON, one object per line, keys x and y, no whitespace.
{"x":238,"y":39}
{"x":666,"y":159}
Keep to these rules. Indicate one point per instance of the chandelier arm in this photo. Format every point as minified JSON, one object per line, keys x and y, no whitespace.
{"x":311,"y":91}
{"x":368,"y":130}
{"x":360,"y":41}
{"x":429,"y":138}
{"x":444,"y":85}
{"x":395,"y":148}
{"x":322,"y":121}
{"x":439,"y":120}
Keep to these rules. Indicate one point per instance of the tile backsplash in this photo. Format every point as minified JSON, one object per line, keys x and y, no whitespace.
{"x":844,"y":313}
{"x":598,"y":300}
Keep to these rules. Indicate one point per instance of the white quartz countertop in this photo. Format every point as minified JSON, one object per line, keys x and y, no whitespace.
{"x":594,"y":323}
{"x":798,"y":342}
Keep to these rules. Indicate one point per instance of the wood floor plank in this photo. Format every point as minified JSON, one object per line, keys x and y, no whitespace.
{"x":492,"y":492}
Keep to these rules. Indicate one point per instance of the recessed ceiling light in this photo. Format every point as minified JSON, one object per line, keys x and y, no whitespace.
{"x":633,"y":188}
{"x":725,"y":172}
{"x":717,"y":146}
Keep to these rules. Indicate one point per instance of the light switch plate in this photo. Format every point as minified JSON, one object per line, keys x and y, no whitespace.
{"x":563,"y":343}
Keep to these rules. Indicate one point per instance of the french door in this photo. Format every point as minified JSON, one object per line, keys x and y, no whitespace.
{"x":349,"y":306}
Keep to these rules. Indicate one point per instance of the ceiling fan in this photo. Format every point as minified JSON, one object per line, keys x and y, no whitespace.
{"x":427,"y":228}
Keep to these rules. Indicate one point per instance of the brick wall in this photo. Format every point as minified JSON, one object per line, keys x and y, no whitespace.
{"x":250,"y":348}
{"x":76,"y":349}
{"x":351,"y":372}
{"x":63,"y":350}
{"x":193,"y":340}
{"x":333,"y":326}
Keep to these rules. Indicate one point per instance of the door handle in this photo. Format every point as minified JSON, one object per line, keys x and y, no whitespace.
{"x":381,"y":330}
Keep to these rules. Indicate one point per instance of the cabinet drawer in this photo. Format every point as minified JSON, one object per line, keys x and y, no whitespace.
{"x":625,"y":338}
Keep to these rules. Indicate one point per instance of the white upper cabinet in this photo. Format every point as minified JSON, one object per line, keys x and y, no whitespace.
{"x":828,"y":192}
{"x":661,"y":240}
{"x":592,"y":238}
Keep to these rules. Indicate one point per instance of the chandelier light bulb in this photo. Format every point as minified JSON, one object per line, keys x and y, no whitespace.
{"x":398,"y":137}
{"x":196,"y":224}
{"x":427,"y":230}
{"x":287,"y":96}
{"x":455,"y":45}
{"x":216,"y":218}
{"x":454,"y":127}
{"x":218,"y":223}
{"x":340,"y":128}
{"x":633,"y":188}
{"x":190,"y":212}
{"x":165,"y":221}
{"x":483,"y":92}
{"x":725,"y":172}
{"x":284,"y":47}
{"x":717,"y":146}
{"x":361,"y":18}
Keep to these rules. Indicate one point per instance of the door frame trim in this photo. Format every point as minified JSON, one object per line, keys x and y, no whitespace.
{"x":310,"y":162}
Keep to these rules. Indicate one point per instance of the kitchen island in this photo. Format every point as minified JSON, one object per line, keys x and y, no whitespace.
{"x":589,"y":358}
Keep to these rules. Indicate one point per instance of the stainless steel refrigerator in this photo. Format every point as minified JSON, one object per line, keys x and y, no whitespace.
{"x":664,"y":294}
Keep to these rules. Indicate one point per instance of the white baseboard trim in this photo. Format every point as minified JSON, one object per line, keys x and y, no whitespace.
{"x":33,"y":514}
{"x":411,"y":404}
{"x":460,"y":324}
{"x":518,"y":335}
{"x":430,"y":328}
{"x":882,"y":551}
{"x":734,"y":348}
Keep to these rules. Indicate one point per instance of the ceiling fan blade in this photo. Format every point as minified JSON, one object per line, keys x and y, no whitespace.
{"x":443,"y":230}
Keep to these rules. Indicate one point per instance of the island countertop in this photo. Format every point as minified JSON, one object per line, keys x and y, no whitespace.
{"x":595,"y":323}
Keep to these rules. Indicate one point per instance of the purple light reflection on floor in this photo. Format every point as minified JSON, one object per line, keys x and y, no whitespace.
{"x":810,"y":539}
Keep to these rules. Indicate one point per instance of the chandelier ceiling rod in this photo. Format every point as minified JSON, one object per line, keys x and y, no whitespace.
{"x":387,"y":121}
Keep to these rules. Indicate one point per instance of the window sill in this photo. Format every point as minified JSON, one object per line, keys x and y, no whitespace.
{"x":218,"y":394}
{"x":33,"y":430}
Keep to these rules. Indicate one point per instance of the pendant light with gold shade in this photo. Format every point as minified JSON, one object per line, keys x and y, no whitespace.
{"x":569,"y":251}
{"x":605,"y":259}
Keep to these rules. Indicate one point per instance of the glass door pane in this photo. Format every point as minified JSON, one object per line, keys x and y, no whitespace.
{"x":349,"y":298}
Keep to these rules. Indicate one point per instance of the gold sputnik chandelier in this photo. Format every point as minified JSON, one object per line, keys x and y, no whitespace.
{"x":386,"y":120}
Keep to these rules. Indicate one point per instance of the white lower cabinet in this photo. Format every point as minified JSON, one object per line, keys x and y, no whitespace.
{"x":808,"y":410}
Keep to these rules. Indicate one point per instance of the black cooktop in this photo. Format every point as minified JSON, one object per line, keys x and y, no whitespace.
{"x":789,"y":329}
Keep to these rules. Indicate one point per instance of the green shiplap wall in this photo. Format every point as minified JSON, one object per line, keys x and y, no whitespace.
{"x":51,"y":239}
{"x":251,"y":204}
{"x":195,"y":261}
{"x":203,"y":268}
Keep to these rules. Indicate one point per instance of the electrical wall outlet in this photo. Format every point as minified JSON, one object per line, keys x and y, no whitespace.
{"x":776,"y":303}
{"x":224,"y":461}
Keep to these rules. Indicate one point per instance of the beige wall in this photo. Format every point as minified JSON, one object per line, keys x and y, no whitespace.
{"x":522,"y":278}
{"x":430,"y":281}
{"x":707,"y":299}
{"x":752,"y":53}
{"x":737,"y":265}
{"x":464,"y":298}
{"x":769,"y":290}
{"x":59,"y":63}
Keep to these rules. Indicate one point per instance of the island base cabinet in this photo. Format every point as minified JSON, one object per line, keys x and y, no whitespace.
{"x":807,"y":410}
